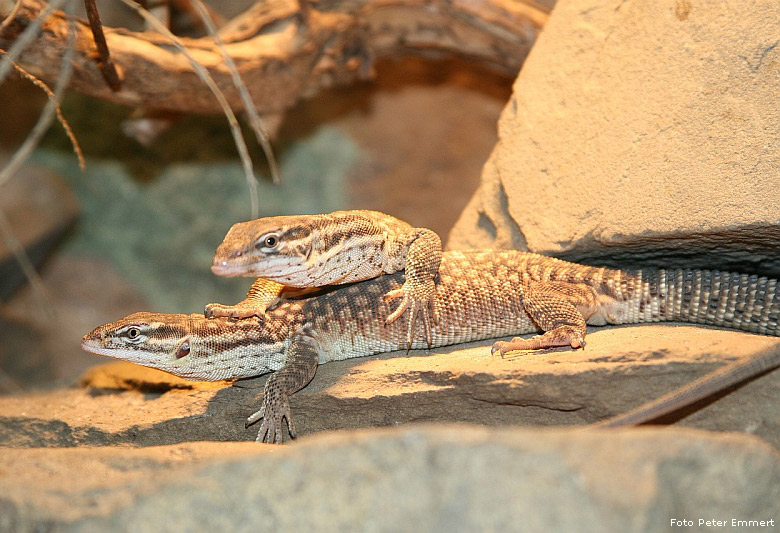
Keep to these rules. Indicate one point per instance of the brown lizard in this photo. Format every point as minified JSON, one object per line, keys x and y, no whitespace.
{"x":481,"y":294}
{"x":308,"y":251}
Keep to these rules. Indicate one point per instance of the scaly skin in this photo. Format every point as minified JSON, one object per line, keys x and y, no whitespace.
{"x":480,"y":295}
{"x":309,"y":251}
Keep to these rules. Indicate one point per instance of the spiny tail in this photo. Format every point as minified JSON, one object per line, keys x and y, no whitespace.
{"x":737,"y":301}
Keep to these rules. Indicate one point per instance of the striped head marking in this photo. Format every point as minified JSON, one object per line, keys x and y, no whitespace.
{"x":270,"y":248}
{"x":189,"y":346}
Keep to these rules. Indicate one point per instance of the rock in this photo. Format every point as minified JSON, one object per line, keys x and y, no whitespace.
{"x":126,"y":450}
{"x":622,"y":367}
{"x":641,"y":132}
{"x":415,"y":478}
{"x":40,"y":208}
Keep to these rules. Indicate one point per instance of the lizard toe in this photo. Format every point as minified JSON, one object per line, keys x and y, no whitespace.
{"x":555,"y":338}
{"x":498,"y":346}
{"x":255,"y":417}
{"x":400,"y":310}
{"x":214,"y":310}
{"x":393,"y":295}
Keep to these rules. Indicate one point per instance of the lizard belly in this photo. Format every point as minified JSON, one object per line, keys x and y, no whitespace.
{"x":378,"y":338}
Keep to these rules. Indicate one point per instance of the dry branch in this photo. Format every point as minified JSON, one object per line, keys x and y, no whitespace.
{"x":281,"y":54}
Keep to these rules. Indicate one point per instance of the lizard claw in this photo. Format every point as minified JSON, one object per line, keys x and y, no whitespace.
{"x":420,"y":301}
{"x":560,"y":336}
{"x":498,"y":346}
{"x":275,"y":408}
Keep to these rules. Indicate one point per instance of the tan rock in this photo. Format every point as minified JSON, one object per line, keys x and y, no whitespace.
{"x":417,"y":478}
{"x":620,"y":368}
{"x":648,"y":127}
{"x":126,"y":452}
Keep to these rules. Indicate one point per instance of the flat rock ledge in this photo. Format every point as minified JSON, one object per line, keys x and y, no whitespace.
{"x":136,"y":449}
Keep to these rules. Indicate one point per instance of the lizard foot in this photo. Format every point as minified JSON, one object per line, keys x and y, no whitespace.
{"x":419,"y":300}
{"x":272,"y":413}
{"x":560,"y":336}
{"x":232,"y":312}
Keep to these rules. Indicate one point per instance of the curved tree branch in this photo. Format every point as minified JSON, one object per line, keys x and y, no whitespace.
{"x":282,"y":53}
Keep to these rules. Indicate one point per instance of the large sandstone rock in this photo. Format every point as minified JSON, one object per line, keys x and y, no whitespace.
{"x":640,"y":130}
{"x":402,"y":479}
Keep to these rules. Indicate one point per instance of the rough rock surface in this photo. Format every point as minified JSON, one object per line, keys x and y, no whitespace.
{"x":649,"y":129}
{"x":121,"y":403}
{"x":71,"y":459}
{"x":402,"y":479}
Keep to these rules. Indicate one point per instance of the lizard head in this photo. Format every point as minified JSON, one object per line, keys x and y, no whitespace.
{"x":269,"y":248}
{"x":189,"y":346}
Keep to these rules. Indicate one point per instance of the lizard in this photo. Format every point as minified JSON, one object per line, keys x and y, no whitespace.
{"x":309,"y":251}
{"x":480,"y":295}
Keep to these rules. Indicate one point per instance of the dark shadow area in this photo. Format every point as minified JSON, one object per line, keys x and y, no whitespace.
{"x":749,"y":250}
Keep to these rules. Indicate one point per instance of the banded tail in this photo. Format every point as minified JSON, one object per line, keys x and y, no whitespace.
{"x":737,"y":301}
{"x":726,"y":299}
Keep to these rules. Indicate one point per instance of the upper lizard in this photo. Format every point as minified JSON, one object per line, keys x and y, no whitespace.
{"x":305,"y":251}
{"x":481,"y":294}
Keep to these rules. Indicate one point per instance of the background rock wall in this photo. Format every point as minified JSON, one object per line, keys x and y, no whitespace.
{"x":641,"y":129}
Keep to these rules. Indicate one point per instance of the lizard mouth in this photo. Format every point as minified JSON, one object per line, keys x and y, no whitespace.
{"x":89,"y":345}
{"x":93,"y":345}
{"x":226,"y":269}
{"x":91,"y":341}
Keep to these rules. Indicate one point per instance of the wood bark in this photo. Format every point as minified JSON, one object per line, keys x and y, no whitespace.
{"x":282,"y":52}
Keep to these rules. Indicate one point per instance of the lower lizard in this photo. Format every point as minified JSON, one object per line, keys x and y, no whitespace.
{"x":481,"y":294}
{"x":305,"y":251}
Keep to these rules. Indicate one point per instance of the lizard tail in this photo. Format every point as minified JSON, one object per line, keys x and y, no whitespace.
{"x":726,"y":299}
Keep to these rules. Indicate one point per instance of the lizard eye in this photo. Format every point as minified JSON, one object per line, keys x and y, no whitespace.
{"x":268,"y":241}
{"x":184,"y":349}
{"x":133,"y":334}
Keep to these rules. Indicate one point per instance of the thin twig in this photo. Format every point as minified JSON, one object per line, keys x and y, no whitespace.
{"x":49,"y":111}
{"x":204,"y":75}
{"x":249,"y":105}
{"x":60,"y":117}
{"x":10,"y":17}
{"x":107,"y":67}
{"x":27,"y":36}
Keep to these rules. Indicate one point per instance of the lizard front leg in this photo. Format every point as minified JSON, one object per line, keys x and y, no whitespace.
{"x":418,"y":291}
{"x":557,"y":308}
{"x":297,"y":372}
{"x":262,"y":294}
